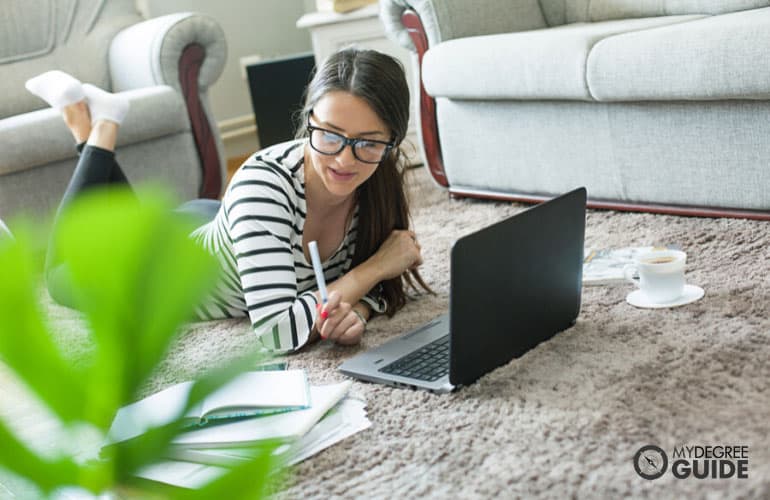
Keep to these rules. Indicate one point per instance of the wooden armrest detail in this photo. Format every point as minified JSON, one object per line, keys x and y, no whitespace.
{"x":189,"y":68}
{"x":428,"y":123}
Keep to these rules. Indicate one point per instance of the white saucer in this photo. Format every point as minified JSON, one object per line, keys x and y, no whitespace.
{"x":691,"y":293}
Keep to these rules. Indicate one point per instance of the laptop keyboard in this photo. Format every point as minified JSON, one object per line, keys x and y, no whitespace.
{"x":430,"y":362}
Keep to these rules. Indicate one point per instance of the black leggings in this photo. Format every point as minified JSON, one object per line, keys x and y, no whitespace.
{"x":97,"y":167}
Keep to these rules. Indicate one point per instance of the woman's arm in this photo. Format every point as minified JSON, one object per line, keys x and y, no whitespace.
{"x":395,"y":256}
{"x":259,"y":207}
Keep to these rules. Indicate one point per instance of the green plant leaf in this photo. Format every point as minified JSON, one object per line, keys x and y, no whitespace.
{"x":179,"y":274}
{"x":252,"y":480}
{"x":26,"y":345}
{"x":137,"y":276}
{"x":130,"y":456}
{"x":46,"y":474}
{"x":223,"y":373}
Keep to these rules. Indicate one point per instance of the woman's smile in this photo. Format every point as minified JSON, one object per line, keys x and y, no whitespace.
{"x":340,"y":175}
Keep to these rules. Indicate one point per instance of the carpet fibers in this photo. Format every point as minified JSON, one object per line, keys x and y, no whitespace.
{"x":566,"y":419}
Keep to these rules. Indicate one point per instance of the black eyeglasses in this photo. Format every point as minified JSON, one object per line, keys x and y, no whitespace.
{"x":331,"y":143}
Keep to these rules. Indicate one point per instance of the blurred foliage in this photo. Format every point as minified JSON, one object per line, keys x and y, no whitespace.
{"x":136,"y":276}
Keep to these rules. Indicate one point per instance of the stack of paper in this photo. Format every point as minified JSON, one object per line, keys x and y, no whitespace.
{"x":345,"y":419}
{"x":203,"y":454}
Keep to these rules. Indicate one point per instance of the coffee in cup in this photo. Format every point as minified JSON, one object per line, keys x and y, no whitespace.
{"x":660,"y":260}
{"x":660,"y":274}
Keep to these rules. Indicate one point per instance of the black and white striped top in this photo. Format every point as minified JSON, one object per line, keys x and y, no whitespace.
{"x":257,"y":238}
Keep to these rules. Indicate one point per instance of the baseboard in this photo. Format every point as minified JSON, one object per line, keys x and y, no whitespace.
{"x":239,"y":135}
{"x":655,"y":208}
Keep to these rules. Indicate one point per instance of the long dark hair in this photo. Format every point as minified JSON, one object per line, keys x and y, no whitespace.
{"x":382,"y":204}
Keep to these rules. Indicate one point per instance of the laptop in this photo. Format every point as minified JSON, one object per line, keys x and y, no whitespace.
{"x":514,"y":284}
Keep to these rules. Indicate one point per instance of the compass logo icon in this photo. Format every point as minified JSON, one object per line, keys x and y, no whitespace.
{"x":650,"y":462}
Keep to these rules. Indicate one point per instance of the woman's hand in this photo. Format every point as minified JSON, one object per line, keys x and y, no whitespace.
{"x":399,"y":253}
{"x":340,"y":323}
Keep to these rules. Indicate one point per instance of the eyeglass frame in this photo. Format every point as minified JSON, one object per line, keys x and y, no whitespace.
{"x":348,"y":141}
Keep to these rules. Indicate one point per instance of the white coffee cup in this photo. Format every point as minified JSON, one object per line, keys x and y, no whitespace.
{"x":661,"y":274}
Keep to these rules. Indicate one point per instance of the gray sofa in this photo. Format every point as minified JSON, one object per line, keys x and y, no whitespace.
{"x":658,"y":105}
{"x":164,"y":65}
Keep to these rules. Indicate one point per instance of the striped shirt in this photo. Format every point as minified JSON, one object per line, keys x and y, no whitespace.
{"x":257,"y":238}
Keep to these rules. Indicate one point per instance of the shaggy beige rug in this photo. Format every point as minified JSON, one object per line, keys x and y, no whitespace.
{"x":566,"y":419}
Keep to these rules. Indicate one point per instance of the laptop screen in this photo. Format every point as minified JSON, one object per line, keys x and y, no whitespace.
{"x":515,"y":284}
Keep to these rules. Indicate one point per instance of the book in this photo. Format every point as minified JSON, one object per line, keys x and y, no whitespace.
{"x":605,"y":266}
{"x":253,"y":393}
{"x":206,"y":454}
{"x":181,"y":474}
{"x":340,"y":6}
{"x":345,"y":419}
{"x":283,"y":426}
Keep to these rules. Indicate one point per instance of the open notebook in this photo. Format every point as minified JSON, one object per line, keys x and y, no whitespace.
{"x":249,"y":394}
{"x":200,"y":456}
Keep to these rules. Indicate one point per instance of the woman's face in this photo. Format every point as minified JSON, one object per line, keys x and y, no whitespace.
{"x":351,"y":117}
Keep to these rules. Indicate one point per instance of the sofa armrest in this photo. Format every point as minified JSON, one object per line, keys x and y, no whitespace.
{"x":148,"y":53}
{"x":186,"y":51}
{"x":447,"y":19}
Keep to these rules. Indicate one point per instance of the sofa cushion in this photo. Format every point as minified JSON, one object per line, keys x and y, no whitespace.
{"x":40,"y":137}
{"x":719,"y":57}
{"x":70,"y":35}
{"x":31,"y":32}
{"x":558,"y":12}
{"x":539,"y":64}
{"x":170,"y":161}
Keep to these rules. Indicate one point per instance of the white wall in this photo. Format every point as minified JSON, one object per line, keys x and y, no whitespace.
{"x":252,"y":27}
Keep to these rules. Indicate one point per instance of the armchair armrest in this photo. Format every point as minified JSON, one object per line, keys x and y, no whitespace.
{"x":148,"y":53}
{"x":188,"y":52}
{"x":421,"y":24}
{"x":447,"y":19}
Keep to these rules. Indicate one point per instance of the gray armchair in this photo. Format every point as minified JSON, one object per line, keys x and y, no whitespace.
{"x":163,"y":65}
{"x":654,"y":105}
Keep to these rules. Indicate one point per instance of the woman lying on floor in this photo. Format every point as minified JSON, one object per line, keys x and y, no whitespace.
{"x":340,"y":183}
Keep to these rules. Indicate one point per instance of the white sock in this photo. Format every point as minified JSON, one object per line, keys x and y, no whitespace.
{"x":105,"y":105}
{"x":57,"y":88}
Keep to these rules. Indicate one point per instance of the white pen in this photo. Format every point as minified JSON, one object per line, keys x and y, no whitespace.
{"x":319,"y":270}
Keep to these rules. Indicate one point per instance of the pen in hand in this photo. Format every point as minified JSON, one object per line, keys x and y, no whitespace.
{"x":319,"y":274}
